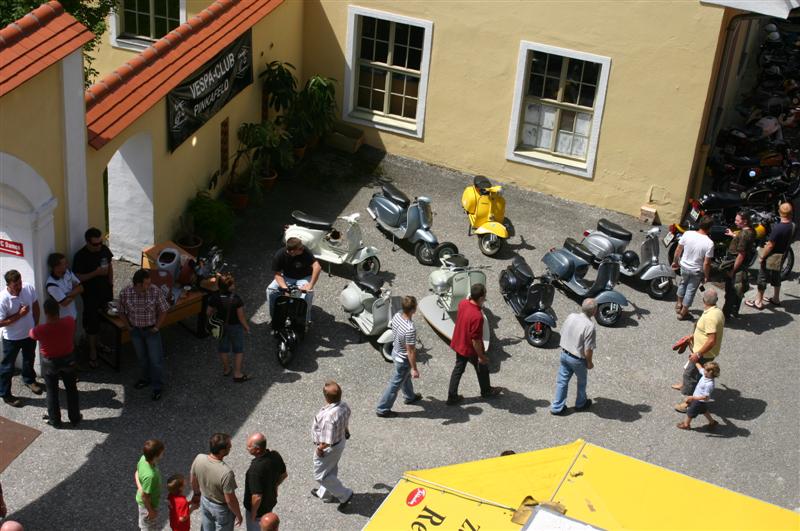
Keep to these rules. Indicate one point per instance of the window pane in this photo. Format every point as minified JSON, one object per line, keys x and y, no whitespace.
{"x":587,"y":96}
{"x":548,"y":116}
{"x":173,"y":23}
{"x":574,"y":70}
{"x":143,"y":6}
{"x":381,"y":51}
{"x":173,"y":9}
{"x":539,"y":62}
{"x":396,"y":105}
{"x":554,"y":65}
{"x":365,"y":77}
{"x":398,"y":83}
{"x":367,"y":51}
{"x":367,"y":26}
{"x":570,"y":92}
{"x":417,"y":36}
{"x":410,"y":108}
{"x":161,"y":27}
{"x":564,"y":142}
{"x":414,"y":59}
{"x":129,"y":24}
{"x":567,"y":121}
{"x":579,"y":146}
{"x":399,"y":55}
{"x":412,"y":86}
{"x":582,"y":123}
{"x":401,"y":34}
{"x":160,"y":8}
{"x":378,"y":79}
{"x":532,"y":113}
{"x":545,"y":138}
{"x":383,"y":30}
{"x":530,"y":134}
{"x":550,"y":88}
{"x":363,"y":97}
{"x":377,"y":100}
{"x":143,"y":24}
{"x":129,"y":4}
{"x":537,"y":84}
{"x":591,"y":72}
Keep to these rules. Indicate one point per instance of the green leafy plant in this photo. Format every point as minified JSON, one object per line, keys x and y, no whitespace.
{"x":213,"y":219}
{"x":280,"y":85}
{"x":259,"y":143}
{"x":319,"y":98}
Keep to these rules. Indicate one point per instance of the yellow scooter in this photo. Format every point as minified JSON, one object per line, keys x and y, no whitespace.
{"x":486,"y":209}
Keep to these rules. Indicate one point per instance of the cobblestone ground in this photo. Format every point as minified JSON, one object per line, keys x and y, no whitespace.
{"x":83,"y":479}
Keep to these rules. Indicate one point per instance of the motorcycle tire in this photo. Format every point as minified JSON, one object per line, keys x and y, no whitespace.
{"x":386,"y":352}
{"x":425,"y":254}
{"x":284,"y":353}
{"x":368,"y":266}
{"x":787,"y":264}
{"x":671,"y":251}
{"x":608,"y":313}
{"x":444,"y":250}
{"x":490,"y":244}
{"x":538,"y":334}
{"x":659,"y":287}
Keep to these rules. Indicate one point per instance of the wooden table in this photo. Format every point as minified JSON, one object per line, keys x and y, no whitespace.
{"x":190,"y":303}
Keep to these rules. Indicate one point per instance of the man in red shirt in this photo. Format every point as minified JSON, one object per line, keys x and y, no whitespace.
{"x":468,"y":343}
{"x":55,"y":344}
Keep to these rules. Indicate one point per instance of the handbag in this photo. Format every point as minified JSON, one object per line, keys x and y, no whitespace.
{"x":773,"y":262}
{"x":216,"y":326}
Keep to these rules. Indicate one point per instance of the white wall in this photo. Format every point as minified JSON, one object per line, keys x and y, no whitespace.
{"x":75,"y":150}
{"x":130,"y":198}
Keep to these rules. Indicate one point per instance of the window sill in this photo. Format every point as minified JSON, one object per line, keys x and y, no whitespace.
{"x":132,"y":44}
{"x":550,"y":162}
{"x":384,"y":123}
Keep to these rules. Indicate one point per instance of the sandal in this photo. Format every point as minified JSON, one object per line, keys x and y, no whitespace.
{"x":242,"y":378}
{"x":711,"y":425}
{"x":753,"y":304}
{"x":682,"y":426}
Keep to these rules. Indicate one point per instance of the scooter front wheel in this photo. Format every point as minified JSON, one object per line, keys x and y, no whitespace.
{"x":490,"y":244}
{"x":443,"y":250}
{"x":425,"y":253}
{"x":608,"y":313}
{"x":369,"y":265}
{"x":659,"y":287}
{"x":284,"y":353}
{"x":538,"y":334}
{"x":386,"y":352}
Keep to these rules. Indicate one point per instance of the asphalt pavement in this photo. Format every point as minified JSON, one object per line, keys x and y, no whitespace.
{"x":82,"y":479}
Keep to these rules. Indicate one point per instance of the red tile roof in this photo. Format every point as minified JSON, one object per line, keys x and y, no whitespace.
{"x":39,"y":39}
{"x":117,"y":100}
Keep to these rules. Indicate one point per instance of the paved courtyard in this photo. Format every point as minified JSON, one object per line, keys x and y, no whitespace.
{"x":83,"y":479}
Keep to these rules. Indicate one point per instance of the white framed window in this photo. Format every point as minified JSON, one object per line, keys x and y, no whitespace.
{"x":136,"y":24}
{"x":386,"y":77}
{"x":558,"y":106}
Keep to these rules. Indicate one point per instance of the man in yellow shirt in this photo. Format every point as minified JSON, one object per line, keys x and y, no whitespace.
{"x":705,"y":345}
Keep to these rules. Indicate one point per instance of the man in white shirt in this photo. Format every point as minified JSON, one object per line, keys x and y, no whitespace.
{"x":19,"y":312}
{"x":63,"y":285}
{"x":577,"y":348}
{"x":693,"y":257}
{"x":329,"y":432}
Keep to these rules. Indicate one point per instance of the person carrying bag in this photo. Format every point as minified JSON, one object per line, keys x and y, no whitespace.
{"x":229,"y":333}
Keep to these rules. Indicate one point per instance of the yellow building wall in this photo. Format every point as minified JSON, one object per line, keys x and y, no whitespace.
{"x":662,"y":56}
{"x":31,"y":129}
{"x":179,"y":175}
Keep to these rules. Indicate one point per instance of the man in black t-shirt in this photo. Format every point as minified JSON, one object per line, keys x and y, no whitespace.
{"x":780,"y":238}
{"x":294,"y":265}
{"x":92,"y":265}
{"x":267,"y":471}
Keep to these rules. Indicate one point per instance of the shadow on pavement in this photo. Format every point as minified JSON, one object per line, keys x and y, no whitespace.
{"x":730,"y":404}
{"x":609,"y":408}
{"x":760,"y":321}
{"x":364,"y":503}
{"x":433,"y":408}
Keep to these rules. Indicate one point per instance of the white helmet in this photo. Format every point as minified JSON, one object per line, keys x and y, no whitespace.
{"x":769,"y":28}
{"x":774,"y":36}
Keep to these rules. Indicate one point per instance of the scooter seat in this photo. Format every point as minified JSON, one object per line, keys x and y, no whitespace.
{"x":311,"y":221}
{"x":713,"y":200}
{"x":390,"y":191}
{"x":481,"y":182}
{"x":456,"y":260}
{"x":744,"y":160}
{"x":521,"y":267}
{"x":578,"y":249}
{"x":613,"y":230}
{"x":371,"y":283}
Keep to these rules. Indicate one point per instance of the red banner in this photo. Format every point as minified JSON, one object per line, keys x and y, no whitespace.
{"x":12,"y":248}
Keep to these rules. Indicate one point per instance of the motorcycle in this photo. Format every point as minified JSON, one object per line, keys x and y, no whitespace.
{"x":289,"y":323}
{"x":609,"y":238}
{"x":530,"y":299}
{"x":567,"y":267}
{"x":451,"y":284}
{"x":327,"y":244}
{"x":485,"y":208}
{"x":409,"y":220}
{"x":369,"y":309}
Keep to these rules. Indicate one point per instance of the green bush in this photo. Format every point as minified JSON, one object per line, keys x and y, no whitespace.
{"x":213,"y":219}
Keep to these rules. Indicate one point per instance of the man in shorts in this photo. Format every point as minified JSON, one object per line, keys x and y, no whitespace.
{"x":693,"y":257}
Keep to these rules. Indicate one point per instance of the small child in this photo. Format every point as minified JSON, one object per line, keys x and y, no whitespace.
{"x":698,"y":402}
{"x":179,"y":509}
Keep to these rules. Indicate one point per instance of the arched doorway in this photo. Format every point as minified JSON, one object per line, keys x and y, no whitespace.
{"x":26,"y":221}
{"x":130,"y":198}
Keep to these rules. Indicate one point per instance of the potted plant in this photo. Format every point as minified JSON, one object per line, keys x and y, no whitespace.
{"x":213,"y":219}
{"x":298,"y":123}
{"x":279,"y":87}
{"x":319,"y":98}
{"x":187,"y":239}
{"x":258,"y":144}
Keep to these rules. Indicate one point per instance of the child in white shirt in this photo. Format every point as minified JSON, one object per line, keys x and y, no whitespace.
{"x":698,"y":402}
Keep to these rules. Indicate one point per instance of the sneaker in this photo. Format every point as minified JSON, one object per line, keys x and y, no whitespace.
{"x":417,"y":398}
{"x":13,"y":401}
{"x":76,"y":422}
{"x":57,"y":424}
{"x":561,"y":413}
{"x":682,"y":407}
{"x":456,"y":400}
{"x":493,"y":392}
{"x":387,"y":414}
{"x":141,"y":384}
{"x":35,"y":387}
{"x":586,"y":405}
{"x":156,"y":395}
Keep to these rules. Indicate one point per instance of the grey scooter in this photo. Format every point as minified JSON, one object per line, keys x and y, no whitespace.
{"x":567,"y":267}
{"x":405,"y":219}
{"x":369,"y":309}
{"x":610,"y":238}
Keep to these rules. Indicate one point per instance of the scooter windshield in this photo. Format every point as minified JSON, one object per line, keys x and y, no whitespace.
{"x":425,"y":214}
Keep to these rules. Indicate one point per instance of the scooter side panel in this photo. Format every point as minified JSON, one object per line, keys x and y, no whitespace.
{"x":598,"y":244}
{"x":364,"y":253}
{"x":660,"y":270}
{"x":387,"y":211}
{"x":386,"y":337}
{"x":614,"y":297}
{"x":425,"y":236}
{"x":541,"y":317}
{"x":306,"y":236}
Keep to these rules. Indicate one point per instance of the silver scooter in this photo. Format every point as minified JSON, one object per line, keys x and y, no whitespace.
{"x":405,"y":219}
{"x":609,"y":238}
{"x":369,"y":309}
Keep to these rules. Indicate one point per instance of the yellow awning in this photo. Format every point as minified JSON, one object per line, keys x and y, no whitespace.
{"x":597,"y":486}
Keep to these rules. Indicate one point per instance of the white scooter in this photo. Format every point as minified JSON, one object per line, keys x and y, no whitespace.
{"x":369,"y":309}
{"x":327,"y":244}
{"x":450,"y":285}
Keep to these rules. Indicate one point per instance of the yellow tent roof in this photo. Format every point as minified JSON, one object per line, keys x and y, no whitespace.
{"x":597,"y":486}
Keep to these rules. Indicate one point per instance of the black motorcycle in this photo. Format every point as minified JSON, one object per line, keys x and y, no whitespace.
{"x":289,"y":323}
{"x":530,"y":300}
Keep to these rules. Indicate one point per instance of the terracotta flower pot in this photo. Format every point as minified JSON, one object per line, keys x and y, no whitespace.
{"x":238,"y":200}
{"x":267,"y":183}
{"x":190,"y":244}
{"x":299,"y":153}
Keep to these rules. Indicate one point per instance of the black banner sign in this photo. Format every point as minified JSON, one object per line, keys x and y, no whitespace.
{"x":199,"y":97}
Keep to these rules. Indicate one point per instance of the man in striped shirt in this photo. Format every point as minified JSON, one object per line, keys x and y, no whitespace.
{"x":404,"y":354}
{"x":329,"y":433}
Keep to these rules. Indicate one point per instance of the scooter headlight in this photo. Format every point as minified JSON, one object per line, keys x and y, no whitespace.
{"x":439,"y":287}
{"x":439,"y":282}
